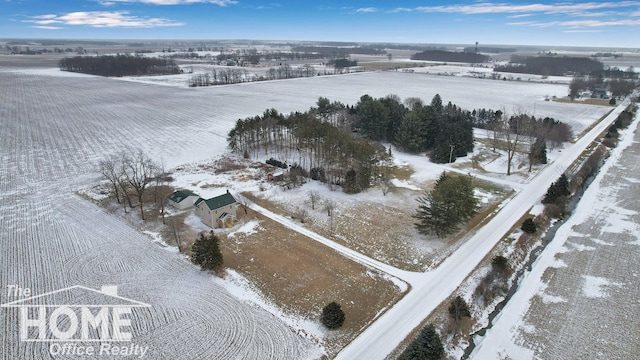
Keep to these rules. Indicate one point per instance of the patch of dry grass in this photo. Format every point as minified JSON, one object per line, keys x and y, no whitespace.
{"x":301,"y":276}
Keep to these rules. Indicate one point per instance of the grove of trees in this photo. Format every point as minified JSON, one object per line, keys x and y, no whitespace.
{"x":447,"y":205}
{"x":550,"y":65}
{"x":444,"y":131}
{"x":119,"y":65}
{"x":450,"y":56}
{"x":318,"y":143}
{"x":130,"y":173}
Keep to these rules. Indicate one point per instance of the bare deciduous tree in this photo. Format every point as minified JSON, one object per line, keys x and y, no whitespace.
{"x":314,"y":198}
{"x":511,"y":131}
{"x":139,"y":170}
{"x":109,"y":170}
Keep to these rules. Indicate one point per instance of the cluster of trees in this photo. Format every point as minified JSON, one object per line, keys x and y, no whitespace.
{"x":205,"y":252}
{"x":313,"y":142}
{"x":236,"y":75}
{"x":556,"y":196}
{"x":450,"y":56}
{"x":337,"y":51}
{"x":618,"y":87}
{"x":444,"y":131}
{"x":550,"y":65}
{"x":130,"y":174}
{"x":119,"y":65}
{"x":511,"y":131}
{"x":495,"y":282}
{"x":447,"y":205}
{"x":340,"y":64}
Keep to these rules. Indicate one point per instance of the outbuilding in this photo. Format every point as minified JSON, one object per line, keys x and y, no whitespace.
{"x":183,"y":199}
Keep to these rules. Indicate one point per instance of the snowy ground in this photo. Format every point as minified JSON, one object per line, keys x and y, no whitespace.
{"x":53,"y":130}
{"x":584,"y":287}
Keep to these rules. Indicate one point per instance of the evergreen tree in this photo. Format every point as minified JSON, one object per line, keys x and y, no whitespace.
{"x":427,"y":346}
{"x":529,"y":226}
{"x":538,"y":152}
{"x":448,"y":204}
{"x":332,"y":316}
{"x":563,"y":185}
{"x":557,"y":191}
{"x":409,"y":137}
{"x":459,"y":309}
{"x":350,"y":185}
{"x":500,"y":264}
{"x":373,"y":118}
{"x":436,"y":104}
{"x":206,"y":252}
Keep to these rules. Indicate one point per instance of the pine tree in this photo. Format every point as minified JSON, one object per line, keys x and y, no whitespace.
{"x":529,"y":226}
{"x":563,"y":185}
{"x":427,"y":346}
{"x":332,"y":316}
{"x":538,"y":152}
{"x":557,"y":191}
{"x":500,"y":264}
{"x":448,"y":204}
{"x":459,"y":309}
{"x":206,"y":252}
{"x":350,"y":185}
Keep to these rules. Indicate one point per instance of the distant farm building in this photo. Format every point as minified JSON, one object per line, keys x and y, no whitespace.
{"x":219,"y":211}
{"x":183,"y":199}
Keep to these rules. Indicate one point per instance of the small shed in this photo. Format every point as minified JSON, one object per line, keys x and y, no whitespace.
{"x":217,"y":211}
{"x":183,"y":199}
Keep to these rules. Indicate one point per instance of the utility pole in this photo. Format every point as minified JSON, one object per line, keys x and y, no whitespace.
{"x":475,"y":58}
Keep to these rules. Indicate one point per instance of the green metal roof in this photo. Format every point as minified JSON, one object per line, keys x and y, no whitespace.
{"x":180,"y":195}
{"x":218,"y":201}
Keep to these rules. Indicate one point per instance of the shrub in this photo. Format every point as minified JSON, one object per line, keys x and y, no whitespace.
{"x":529,"y":226}
{"x":332,"y":316}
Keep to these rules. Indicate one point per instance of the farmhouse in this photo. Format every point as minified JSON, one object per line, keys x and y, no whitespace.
{"x":182,"y":199}
{"x":219,"y":211}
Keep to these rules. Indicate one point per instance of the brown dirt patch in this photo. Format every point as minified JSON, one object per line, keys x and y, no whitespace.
{"x":301,"y":276}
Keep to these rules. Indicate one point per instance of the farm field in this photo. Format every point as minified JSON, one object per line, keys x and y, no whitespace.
{"x":584,"y":288}
{"x":54,"y":127}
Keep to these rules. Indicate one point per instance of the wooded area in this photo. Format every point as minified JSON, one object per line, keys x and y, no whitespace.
{"x":550,"y":65}
{"x":119,"y":65}
{"x":450,"y":56}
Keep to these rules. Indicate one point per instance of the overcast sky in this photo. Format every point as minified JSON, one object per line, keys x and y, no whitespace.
{"x":575,"y":23}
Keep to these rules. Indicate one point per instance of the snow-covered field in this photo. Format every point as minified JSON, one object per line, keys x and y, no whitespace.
{"x":53,"y":130}
{"x":581,"y":298}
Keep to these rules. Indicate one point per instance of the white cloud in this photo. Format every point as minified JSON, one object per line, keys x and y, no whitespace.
{"x":504,"y":8}
{"x":47,"y":27}
{"x":401,"y":9}
{"x":367,"y":10}
{"x":102,"y":19}
{"x":169,"y":2}
{"x":578,"y":23}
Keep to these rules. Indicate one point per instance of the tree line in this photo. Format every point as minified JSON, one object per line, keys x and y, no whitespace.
{"x":450,"y":56}
{"x":550,"y":65}
{"x":118,"y":65}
